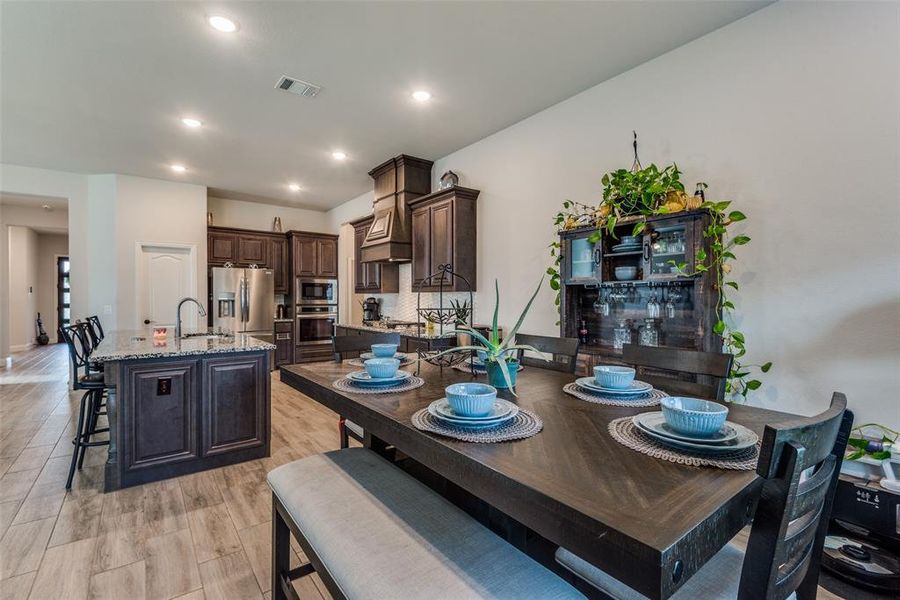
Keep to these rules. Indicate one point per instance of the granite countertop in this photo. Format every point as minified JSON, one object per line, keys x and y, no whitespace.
{"x":406,"y":330}
{"x":139,"y":344}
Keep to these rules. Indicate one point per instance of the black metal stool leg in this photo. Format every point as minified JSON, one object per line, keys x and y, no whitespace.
{"x":77,"y":439}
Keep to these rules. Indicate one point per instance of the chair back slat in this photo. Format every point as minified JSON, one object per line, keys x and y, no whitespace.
{"x":95,"y":329}
{"x":563,"y":350}
{"x":788,"y":532}
{"x":80,"y":347}
{"x":344,"y":344}
{"x":713,"y":366}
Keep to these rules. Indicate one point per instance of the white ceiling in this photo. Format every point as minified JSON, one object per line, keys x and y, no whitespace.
{"x":100,"y":87}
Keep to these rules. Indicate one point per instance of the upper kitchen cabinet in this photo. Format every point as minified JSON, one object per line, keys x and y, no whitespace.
{"x":444,"y":232}
{"x":372,"y":278}
{"x":221,"y":246}
{"x":279,"y":261}
{"x":315,"y":255}
{"x":245,"y":247}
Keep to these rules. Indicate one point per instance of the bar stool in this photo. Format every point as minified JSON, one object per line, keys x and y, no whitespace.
{"x":78,"y":340}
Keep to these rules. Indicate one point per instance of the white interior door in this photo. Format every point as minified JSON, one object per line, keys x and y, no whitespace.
{"x":166,"y":275}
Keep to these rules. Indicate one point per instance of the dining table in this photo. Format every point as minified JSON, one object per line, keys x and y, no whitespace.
{"x":648,"y":522}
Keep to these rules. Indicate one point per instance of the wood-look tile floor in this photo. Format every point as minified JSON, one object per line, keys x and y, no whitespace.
{"x":202,"y":536}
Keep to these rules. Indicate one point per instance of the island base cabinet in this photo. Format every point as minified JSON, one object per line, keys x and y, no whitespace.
{"x":234,"y":404}
{"x":173,"y":417}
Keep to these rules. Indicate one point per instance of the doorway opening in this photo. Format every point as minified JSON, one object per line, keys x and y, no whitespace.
{"x":63,"y":294}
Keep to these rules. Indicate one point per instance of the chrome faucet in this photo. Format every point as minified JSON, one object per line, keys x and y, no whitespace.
{"x":178,"y":314}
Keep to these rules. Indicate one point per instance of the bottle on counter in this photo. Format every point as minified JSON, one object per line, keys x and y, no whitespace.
{"x":583,"y":333}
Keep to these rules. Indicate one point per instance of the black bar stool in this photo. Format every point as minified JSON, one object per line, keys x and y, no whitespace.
{"x":78,"y":339}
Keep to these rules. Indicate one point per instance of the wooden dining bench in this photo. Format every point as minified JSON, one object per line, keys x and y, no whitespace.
{"x":406,"y":540}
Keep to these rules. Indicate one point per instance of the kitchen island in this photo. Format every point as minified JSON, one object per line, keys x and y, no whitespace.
{"x":177,"y":406}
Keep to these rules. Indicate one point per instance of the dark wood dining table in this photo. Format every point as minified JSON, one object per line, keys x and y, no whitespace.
{"x":648,"y":522}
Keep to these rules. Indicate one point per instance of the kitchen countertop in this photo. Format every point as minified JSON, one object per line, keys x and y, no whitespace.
{"x":286,"y":320}
{"x":406,"y":330}
{"x":139,"y":344}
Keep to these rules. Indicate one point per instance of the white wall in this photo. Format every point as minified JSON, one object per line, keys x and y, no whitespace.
{"x":791,"y":113}
{"x":23,"y":283}
{"x":254,"y":215}
{"x":50,"y":246}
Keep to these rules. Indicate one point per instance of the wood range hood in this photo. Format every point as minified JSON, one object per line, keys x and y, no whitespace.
{"x":398,"y":181}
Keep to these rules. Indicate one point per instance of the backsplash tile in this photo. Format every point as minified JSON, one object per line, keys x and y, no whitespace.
{"x":402,"y":305}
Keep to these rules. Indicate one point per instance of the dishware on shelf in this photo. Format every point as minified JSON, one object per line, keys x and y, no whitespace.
{"x":619,"y":248}
{"x":381,"y":368}
{"x":471,"y":399}
{"x":630,"y":240}
{"x":637,"y":389}
{"x":744,"y":439}
{"x":656,"y":423}
{"x":626,"y":273}
{"x":614,"y":376}
{"x":501,"y":412}
{"x":693,"y":416}
{"x":384,"y":350}
{"x":363,"y":379}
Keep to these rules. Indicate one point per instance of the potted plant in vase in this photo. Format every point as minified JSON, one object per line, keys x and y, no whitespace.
{"x":500,"y":356}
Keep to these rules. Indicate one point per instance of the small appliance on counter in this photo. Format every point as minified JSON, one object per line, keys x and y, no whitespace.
{"x":371,"y":309}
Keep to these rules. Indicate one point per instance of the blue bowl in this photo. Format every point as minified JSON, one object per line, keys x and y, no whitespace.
{"x":471,"y":399}
{"x":384,"y":350}
{"x":382,"y":368}
{"x":614,"y":376}
{"x":691,"y":416}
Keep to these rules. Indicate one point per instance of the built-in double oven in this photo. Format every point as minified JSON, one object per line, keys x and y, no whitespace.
{"x":317,"y":310}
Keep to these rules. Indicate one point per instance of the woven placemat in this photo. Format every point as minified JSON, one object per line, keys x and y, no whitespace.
{"x":345,"y":384}
{"x":406,"y":360}
{"x":525,"y":424}
{"x":624,"y":431}
{"x":652,"y":399}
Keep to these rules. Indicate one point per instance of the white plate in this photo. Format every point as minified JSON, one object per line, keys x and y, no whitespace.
{"x":745,"y":439}
{"x":500,"y":409}
{"x":463,"y":422}
{"x":656,"y":422}
{"x":638,"y":388}
{"x":363,"y":378}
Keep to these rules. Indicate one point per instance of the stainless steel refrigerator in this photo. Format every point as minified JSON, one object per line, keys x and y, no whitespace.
{"x":243,"y":300}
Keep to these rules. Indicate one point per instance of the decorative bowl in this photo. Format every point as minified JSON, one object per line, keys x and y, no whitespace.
{"x":471,"y":399}
{"x":382,"y":368}
{"x":630,"y":240}
{"x":384,"y":350}
{"x":691,"y":416}
{"x":613,"y":376}
{"x":626,"y":273}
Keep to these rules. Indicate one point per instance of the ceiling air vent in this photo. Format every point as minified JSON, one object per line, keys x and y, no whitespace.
{"x":295,"y":86}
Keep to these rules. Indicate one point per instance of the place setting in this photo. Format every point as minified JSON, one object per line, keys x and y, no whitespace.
{"x":689,"y":431}
{"x":472,"y":412}
{"x":381,"y":374}
{"x":382,"y":351}
{"x":614,"y":385}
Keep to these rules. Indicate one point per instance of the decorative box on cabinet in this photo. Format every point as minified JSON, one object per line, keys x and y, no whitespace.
{"x":444,"y":232}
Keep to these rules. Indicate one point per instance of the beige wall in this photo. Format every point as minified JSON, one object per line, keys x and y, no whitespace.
{"x":777,"y":113}
{"x":254,"y":215}
{"x":23,"y":284}
{"x":50,"y":246}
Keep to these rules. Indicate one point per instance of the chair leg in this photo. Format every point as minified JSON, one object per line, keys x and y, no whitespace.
{"x":342,"y":432}
{"x":89,"y":428}
{"x":77,"y":439}
{"x":281,"y":553}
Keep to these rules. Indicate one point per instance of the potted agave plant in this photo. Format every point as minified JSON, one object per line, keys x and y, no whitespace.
{"x":500,"y":356}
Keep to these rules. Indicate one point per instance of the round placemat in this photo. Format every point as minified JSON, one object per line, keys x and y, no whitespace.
{"x":573,"y":389}
{"x":624,"y":431}
{"x":525,"y":424}
{"x":404,"y":362}
{"x":345,"y":384}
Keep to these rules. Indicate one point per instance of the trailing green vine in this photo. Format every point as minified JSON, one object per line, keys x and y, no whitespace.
{"x":651,"y":191}
{"x":860,"y":444}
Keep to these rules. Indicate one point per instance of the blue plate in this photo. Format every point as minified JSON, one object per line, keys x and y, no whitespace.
{"x":638,"y":388}
{"x":656,"y":422}
{"x":501,"y":409}
{"x":404,"y":359}
{"x":364,"y":379}
{"x":745,"y":439}
{"x":469,"y":422}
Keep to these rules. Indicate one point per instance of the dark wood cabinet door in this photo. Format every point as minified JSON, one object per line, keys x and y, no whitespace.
{"x":160,"y":414}
{"x":361,"y":272}
{"x":253,"y":250}
{"x":421,"y":243}
{"x":326,"y":250}
{"x":221,"y":248}
{"x":305,"y":253}
{"x":234,"y":405}
{"x":442,"y":235}
{"x":279,"y":263}
{"x":284,"y":350}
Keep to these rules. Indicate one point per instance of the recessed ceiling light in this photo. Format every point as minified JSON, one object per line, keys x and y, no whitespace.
{"x":294,"y":187}
{"x":338,"y":155}
{"x":179,"y":168}
{"x":421,"y":96}
{"x":223,"y":24}
{"x":192,"y":123}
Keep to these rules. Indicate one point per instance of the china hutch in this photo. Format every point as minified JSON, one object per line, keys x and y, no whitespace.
{"x":617,"y":291}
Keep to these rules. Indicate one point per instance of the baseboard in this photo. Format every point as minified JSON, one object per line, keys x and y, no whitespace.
{"x":21,"y":347}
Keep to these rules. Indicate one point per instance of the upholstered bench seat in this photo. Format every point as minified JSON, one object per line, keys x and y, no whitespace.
{"x":379,"y":533}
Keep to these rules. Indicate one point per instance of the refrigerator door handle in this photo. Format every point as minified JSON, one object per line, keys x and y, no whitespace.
{"x":245,"y":301}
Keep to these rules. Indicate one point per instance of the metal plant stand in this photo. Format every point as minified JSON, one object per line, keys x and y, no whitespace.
{"x":443,"y":315}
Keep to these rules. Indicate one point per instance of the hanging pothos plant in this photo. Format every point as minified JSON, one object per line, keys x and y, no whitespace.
{"x":651,"y":191}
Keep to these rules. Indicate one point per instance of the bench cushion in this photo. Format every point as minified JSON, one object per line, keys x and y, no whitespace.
{"x":382,"y":534}
{"x":717,"y":580}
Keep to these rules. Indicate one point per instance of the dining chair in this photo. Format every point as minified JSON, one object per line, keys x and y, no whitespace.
{"x":799,"y":461}
{"x":564,"y":351}
{"x":344,"y":344}
{"x":711,"y":369}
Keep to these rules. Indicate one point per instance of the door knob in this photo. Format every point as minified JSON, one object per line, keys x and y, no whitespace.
{"x":147,"y":321}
